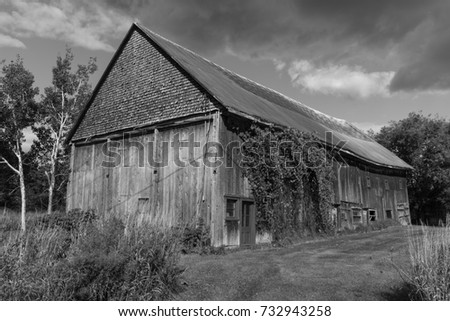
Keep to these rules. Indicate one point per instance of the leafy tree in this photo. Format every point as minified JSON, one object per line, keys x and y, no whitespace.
{"x":61,"y":104}
{"x":17,"y":111}
{"x":424,"y":143}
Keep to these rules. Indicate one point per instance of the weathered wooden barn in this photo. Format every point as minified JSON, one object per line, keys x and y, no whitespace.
{"x":159,"y":110}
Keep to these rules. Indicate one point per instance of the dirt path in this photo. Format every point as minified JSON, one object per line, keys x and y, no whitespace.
{"x":352,"y":267}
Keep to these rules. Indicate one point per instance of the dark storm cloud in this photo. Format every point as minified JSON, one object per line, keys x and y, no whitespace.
{"x":407,"y":36}
{"x":210,"y":26}
{"x":429,"y":65}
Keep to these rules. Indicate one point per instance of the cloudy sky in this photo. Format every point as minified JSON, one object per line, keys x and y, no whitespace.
{"x":368,"y":62}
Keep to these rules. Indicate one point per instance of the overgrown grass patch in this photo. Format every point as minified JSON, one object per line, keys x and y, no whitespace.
{"x":429,"y":274}
{"x":9,"y":221}
{"x":60,"y":258}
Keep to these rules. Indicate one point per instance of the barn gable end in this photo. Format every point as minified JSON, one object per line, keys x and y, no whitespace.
{"x":141,"y":87}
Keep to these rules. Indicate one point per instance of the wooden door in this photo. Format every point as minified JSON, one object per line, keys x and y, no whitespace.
{"x":247,"y":223}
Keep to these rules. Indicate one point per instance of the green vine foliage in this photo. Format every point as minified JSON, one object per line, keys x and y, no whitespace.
{"x":291,"y":176}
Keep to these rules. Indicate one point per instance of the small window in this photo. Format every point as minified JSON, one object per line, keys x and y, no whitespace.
{"x":357,"y":217}
{"x":386,"y":184}
{"x":231,"y":208}
{"x":389,"y":214}
{"x":372,"y":215}
{"x":400,"y":184}
{"x":368,"y":182}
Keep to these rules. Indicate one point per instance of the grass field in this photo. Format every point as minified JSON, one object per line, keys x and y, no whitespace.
{"x":350,"y":267}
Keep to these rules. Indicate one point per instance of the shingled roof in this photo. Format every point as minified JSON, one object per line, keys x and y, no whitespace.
{"x":244,"y":97}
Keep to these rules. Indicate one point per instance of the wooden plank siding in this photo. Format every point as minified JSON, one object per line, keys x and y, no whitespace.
{"x":175,"y":195}
{"x":368,"y":189}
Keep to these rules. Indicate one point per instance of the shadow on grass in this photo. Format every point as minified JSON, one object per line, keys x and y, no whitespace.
{"x":398,"y":293}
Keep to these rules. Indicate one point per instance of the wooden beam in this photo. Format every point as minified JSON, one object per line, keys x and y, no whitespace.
{"x":145,"y":129}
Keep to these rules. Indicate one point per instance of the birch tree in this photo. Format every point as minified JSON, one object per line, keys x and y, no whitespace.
{"x":61,"y":104}
{"x":18,"y":110}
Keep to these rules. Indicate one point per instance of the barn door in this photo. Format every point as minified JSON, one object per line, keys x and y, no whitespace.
{"x":247,"y":223}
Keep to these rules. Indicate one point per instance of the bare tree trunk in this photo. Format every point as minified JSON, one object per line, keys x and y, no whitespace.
{"x":51,"y":187}
{"x":54,"y":158}
{"x":22,"y":192}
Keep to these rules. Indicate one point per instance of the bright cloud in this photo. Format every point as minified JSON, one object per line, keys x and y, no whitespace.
{"x":7,"y":41}
{"x":279,"y":64}
{"x":341,"y":80}
{"x":88,"y":25}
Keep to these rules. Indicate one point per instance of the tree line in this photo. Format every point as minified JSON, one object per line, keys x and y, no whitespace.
{"x":37,"y":179}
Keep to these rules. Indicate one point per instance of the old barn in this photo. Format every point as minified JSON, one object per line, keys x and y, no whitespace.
{"x":137,"y":147}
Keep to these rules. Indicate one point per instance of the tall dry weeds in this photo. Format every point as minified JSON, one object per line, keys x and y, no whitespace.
{"x":429,"y":274}
{"x":105,"y":259}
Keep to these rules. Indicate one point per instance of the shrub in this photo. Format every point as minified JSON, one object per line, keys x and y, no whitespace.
{"x":95,"y":260}
{"x":429,"y":276}
{"x":195,"y":238}
{"x":140,"y":264}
